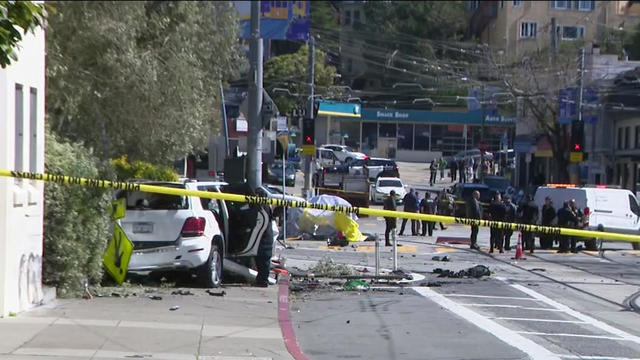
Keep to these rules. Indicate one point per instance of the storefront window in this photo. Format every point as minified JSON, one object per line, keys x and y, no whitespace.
{"x":369,"y":138}
{"x":422,"y":137}
{"x":388,"y":130}
{"x":405,"y":136}
{"x":437,"y":133}
{"x":351,"y":133}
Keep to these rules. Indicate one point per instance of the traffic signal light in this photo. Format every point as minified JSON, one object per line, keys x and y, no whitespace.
{"x":308,"y":132}
{"x":577,"y":136}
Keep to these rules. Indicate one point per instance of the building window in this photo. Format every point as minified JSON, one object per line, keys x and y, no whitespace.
{"x":33,"y":130}
{"x":422,"y":137}
{"x":356,"y":16}
{"x":562,"y":5}
{"x":571,"y":32}
{"x":619,"y":138}
{"x":347,"y":17}
{"x":388,"y":131}
{"x":528,"y":30}
{"x":586,"y":5}
{"x":627,"y":132}
{"x":517,"y":3}
{"x":405,"y":136}
{"x":19,"y":129}
{"x":369,"y":144}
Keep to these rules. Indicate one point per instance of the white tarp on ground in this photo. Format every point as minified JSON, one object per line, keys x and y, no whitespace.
{"x":323,"y":223}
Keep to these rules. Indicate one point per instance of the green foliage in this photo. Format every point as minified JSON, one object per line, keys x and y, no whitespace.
{"x":142,"y":170}
{"x":289,"y":71}
{"x":139,"y":78}
{"x":23,"y":14}
{"x":323,"y":15}
{"x":76,"y":219}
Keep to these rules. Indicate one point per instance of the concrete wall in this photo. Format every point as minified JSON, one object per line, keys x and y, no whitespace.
{"x":21,"y":202}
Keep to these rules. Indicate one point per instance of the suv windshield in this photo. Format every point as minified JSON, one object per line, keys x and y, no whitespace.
{"x":390,"y":183}
{"x":497,"y":183}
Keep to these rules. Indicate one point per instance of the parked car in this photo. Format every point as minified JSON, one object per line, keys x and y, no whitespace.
{"x":188,"y":233}
{"x":325,"y":157}
{"x":383,"y":187}
{"x":382,"y":167}
{"x":275,"y":174}
{"x":499,"y":184}
{"x":617,"y":210}
{"x":344,"y":153}
{"x":462,"y":193}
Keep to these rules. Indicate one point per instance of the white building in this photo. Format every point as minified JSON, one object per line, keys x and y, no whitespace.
{"x":22,"y":111}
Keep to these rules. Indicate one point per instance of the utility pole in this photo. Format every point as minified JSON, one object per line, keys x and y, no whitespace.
{"x":306,"y":191}
{"x":554,"y":41}
{"x":254,"y":139}
{"x":482,"y":107}
{"x":581,"y":84}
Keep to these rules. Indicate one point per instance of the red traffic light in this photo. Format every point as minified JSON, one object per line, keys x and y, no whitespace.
{"x":577,"y":147}
{"x":308,"y":140}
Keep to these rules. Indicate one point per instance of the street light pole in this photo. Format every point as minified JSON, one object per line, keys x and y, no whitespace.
{"x":254,"y":139}
{"x":306,"y":191}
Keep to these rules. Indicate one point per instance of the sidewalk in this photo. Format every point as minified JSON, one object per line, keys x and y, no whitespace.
{"x":243,"y":324}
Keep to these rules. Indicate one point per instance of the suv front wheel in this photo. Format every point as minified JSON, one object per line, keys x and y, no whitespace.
{"x":210,"y":273}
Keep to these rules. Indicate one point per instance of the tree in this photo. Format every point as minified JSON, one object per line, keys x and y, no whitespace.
{"x":534,"y":81}
{"x":23,"y":14}
{"x":139,"y":78}
{"x":290,"y":72}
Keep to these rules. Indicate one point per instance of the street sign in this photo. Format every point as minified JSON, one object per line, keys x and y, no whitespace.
{"x":575,"y":157}
{"x":117,"y":209}
{"x":281,"y":124}
{"x":308,"y":150}
{"x":117,"y":255}
{"x":568,"y":105}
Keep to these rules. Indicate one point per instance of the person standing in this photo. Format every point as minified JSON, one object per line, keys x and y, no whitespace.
{"x":567,"y":219}
{"x":443,"y":165}
{"x":528,"y":215}
{"x":444,"y":206}
{"x":433,"y":168}
{"x":510,"y":216}
{"x":417,"y":222}
{"x":548,"y":214}
{"x":577,"y":223}
{"x":453,"y":169}
{"x":497,"y":212}
{"x":474,"y":211}
{"x":427,"y":206}
{"x":462,"y":170}
{"x":390,"y":222}
{"x":265,"y":252}
{"x":410,"y":205}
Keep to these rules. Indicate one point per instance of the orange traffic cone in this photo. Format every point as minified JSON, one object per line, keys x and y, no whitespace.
{"x":519,"y":248}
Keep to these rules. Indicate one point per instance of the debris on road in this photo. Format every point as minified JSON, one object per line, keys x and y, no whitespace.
{"x":214,"y":293}
{"x":327,"y":267}
{"x":174,"y":308}
{"x":356,"y":285}
{"x":444,"y":258}
{"x":477,"y":272}
{"x":155,"y":297}
{"x":181,"y":292}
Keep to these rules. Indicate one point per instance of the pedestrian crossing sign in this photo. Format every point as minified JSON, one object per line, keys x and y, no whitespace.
{"x":117,"y":255}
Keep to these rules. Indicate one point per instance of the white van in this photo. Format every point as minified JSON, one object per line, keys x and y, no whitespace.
{"x":616,"y":210}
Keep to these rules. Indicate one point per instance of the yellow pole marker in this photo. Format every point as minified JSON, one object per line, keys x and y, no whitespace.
{"x":255,"y":200}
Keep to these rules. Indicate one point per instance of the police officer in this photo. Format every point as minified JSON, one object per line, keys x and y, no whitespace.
{"x":265,"y":252}
{"x":474,"y":211}
{"x":389,"y":204}
{"x":497,"y":212}
{"x":566,"y":218}
{"x":410,"y":205}
{"x":548,"y":214}
{"x":510,"y":216}
{"x":528,"y":215}
{"x":427,"y":206}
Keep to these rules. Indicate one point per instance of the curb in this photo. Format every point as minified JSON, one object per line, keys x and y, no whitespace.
{"x":284,"y":320}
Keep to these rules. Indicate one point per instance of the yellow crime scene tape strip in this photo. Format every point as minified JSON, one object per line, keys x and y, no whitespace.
{"x":256,"y":200}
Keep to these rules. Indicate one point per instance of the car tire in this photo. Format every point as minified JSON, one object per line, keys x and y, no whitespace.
{"x":210,"y":273}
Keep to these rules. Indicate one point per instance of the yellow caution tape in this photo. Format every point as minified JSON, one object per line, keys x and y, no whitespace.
{"x":129,"y":186}
{"x":340,"y":191}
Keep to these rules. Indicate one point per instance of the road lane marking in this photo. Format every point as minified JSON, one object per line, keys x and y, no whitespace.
{"x":512,"y":307}
{"x":595,"y":357}
{"x":242,"y":332}
{"x":539,"y":320}
{"x":578,"y":315}
{"x":571,"y":335}
{"x":502,"y":333}
{"x":491,"y":297}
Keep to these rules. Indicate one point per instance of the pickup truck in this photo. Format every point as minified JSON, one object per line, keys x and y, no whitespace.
{"x":352,"y":187}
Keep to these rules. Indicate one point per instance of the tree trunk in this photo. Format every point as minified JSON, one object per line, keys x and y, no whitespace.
{"x":559,"y":145}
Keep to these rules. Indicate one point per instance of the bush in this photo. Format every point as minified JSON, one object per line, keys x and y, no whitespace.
{"x":76,"y":219}
{"x":142,"y":170}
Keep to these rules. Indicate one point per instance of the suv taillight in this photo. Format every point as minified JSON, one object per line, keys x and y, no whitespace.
{"x":193,"y":227}
{"x":587,"y":211}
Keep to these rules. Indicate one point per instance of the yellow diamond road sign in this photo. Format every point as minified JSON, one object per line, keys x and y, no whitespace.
{"x":117,"y":255}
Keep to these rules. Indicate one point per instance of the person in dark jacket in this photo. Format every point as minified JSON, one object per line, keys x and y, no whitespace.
{"x":497,"y":212}
{"x":410,"y":205}
{"x":444,"y":206}
{"x":510,"y":216}
{"x":433,"y":169}
{"x":474,"y":211}
{"x":566,"y":218}
{"x":427,"y":206}
{"x":390,"y":222}
{"x":265,"y":252}
{"x":453,"y":169}
{"x":528,"y":215}
{"x":548,"y":214}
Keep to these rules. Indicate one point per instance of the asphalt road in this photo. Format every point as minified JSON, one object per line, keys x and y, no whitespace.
{"x":549,"y":306}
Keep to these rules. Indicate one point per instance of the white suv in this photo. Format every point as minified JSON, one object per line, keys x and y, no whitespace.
{"x":189,"y":233}
{"x":345,"y":153}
